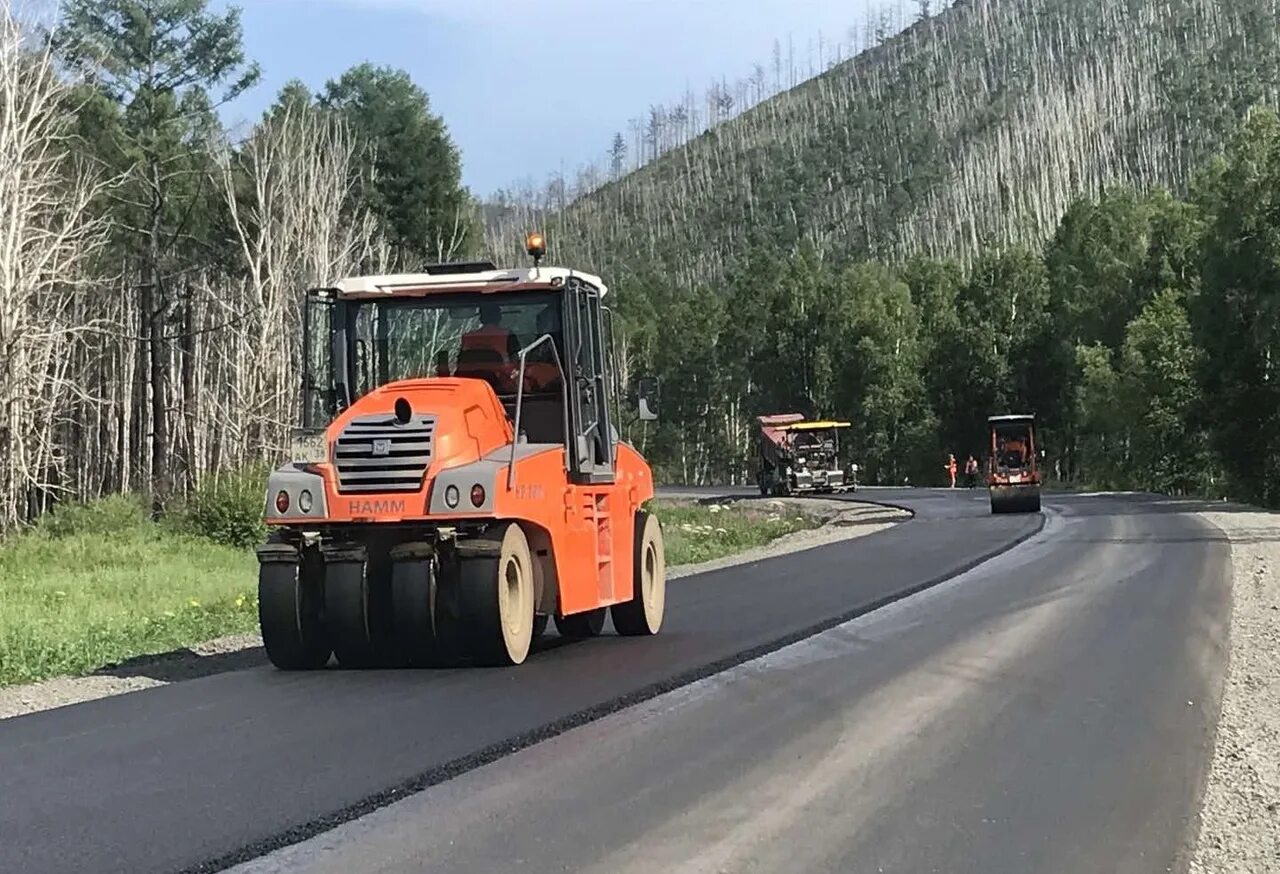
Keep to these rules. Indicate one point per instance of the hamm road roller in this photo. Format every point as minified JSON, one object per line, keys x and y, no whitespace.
{"x":459,"y":479}
{"x":1013,"y":469}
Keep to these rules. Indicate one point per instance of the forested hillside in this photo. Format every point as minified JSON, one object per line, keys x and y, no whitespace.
{"x":970,"y":217}
{"x":976,"y":127}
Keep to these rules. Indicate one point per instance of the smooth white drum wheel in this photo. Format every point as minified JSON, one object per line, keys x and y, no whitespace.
{"x":643,"y":614}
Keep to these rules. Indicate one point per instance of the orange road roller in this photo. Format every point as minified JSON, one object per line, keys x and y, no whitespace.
{"x":1013,"y":473}
{"x":459,"y":480}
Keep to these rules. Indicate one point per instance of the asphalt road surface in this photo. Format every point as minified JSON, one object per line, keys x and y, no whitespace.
{"x":1052,"y":709}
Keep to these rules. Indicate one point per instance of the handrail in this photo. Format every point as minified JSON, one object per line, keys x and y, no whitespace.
{"x":564,"y":408}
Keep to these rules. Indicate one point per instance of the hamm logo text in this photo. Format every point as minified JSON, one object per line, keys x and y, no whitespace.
{"x":375,"y":508}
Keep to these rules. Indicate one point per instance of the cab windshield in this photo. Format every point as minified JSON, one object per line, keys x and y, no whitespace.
{"x":815,"y":441}
{"x":465,"y":335}
{"x":1012,"y":447}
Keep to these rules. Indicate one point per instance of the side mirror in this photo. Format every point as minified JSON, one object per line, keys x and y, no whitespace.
{"x":647,"y":394}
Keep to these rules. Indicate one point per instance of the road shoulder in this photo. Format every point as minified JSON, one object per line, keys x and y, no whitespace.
{"x":1240,"y":817}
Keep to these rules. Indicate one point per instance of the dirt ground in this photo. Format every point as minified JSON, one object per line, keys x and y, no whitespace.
{"x":1240,"y":819}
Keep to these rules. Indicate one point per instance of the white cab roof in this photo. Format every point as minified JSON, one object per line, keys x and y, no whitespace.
{"x":390,"y":284}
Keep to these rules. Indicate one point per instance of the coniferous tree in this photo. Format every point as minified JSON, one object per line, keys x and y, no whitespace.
{"x":415,"y":172}
{"x":160,"y":67}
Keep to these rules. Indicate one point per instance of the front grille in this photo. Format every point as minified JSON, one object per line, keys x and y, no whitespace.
{"x":375,"y":454}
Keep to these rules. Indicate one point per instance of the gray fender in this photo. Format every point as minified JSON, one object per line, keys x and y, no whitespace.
{"x":294,"y":479}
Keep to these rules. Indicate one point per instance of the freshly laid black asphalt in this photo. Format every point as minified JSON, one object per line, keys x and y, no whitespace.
{"x":215,"y":770}
{"x":1051,"y":712}
{"x":204,"y":774}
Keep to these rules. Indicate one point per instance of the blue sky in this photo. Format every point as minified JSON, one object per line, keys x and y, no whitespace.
{"x":526,"y":86}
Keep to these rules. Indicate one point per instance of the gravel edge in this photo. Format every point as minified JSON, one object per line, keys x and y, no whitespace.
{"x":1240,"y":815}
{"x":842,"y":520}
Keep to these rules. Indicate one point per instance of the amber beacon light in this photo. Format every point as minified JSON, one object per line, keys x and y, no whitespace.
{"x":536,"y":245}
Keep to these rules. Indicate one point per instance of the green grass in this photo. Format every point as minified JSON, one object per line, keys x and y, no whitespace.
{"x":95,"y":584}
{"x":695,"y":533}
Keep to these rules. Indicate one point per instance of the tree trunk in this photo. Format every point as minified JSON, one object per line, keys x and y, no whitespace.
{"x":190,"y":404}
{"x":153,"y":314}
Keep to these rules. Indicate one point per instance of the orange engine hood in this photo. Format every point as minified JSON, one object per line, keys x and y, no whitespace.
{"x":470,"y":420}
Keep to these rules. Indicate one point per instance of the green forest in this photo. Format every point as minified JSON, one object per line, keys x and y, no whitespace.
{"x":1067,"y":207}
{"x":1140,"y":334}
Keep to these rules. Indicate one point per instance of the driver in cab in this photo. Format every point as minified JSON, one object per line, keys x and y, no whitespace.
{"x":492,"y":336}
{"x":488,"y":351}
{"x":1012,"y":453}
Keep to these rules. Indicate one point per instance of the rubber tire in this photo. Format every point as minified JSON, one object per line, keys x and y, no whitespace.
{"x":414,"y":584}
{"x":496,"y":598}
{"x":642,"y":615}
{"x":357,"y":616}
{"x":581,"y":626}
{"x":289,"y":615}
{"x":540,"y":624}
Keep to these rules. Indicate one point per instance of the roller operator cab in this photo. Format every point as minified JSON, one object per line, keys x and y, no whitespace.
{"x":459,"y":478}
{"x":1013,"y":471}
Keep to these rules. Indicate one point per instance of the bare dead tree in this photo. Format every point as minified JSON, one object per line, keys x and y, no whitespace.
{"x":48,"y":236}
{"x":291,"y":192}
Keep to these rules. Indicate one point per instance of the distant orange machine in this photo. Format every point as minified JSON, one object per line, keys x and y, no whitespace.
{"x":447,"y":499}
{"x":1013,"y":474}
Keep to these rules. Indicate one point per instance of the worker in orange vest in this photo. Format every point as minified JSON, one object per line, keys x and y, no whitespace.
{"x":487,"y":352}
{"x":951,"y":469}
{"x":492,"y":335}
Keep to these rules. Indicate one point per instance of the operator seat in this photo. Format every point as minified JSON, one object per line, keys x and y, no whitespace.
{"x":481,"y":363}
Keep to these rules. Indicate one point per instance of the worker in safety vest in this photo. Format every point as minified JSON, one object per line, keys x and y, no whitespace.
{"x":951,"y":469}
{"x":492,"y":335}
{"x":489,"y":351}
